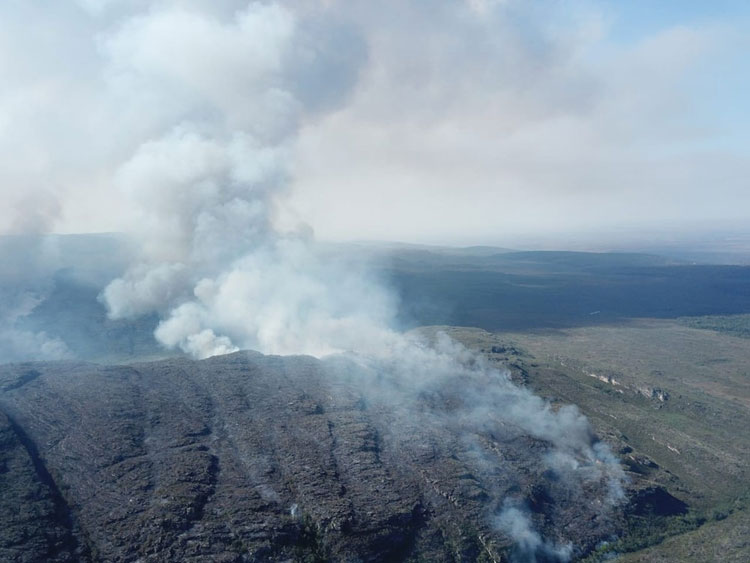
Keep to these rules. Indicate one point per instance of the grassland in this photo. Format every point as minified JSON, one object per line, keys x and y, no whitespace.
{"x":673,"y":400}
{"x":726,"y":540}
{"x":735,"y":325}
{"x":524,"y":291}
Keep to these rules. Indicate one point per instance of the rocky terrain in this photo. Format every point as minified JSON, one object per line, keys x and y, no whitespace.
{"x":262,"y":458}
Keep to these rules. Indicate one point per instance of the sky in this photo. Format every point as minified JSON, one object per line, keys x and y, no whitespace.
{"x":448,"y":122}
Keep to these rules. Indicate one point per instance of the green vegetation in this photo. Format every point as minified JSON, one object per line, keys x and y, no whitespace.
{"x":542,"y":290}
{"x":643,"y":532}
{"x":736,"y":325}
{"x":721,"y":539}
{"x":654,"y":537}
{"x":673,"y":401}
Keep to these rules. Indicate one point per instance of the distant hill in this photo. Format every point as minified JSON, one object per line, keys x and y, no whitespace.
{"x":486,"y":287}
{"x":533,"y":290}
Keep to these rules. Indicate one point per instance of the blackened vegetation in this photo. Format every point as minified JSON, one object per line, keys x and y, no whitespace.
{"x":657,"y":502}
{"x":22,"y":379}
{"x":259,"y":458}
{"x":37,"y":523}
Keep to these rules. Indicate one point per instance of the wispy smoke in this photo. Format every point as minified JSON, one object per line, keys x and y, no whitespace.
{"x":23,"y":345}
{"x":28,"y":264}
{"x":529,"y":545}
{"x":438,"y":383}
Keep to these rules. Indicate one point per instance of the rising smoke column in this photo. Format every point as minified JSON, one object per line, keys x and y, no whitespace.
{"x":207,"y":186}
{"x":225,"y":92}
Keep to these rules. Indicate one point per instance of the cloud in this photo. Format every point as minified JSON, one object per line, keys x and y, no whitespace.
{"x":519,"y":118}
{"x":441,"y":121}
{"x":185,"y":63}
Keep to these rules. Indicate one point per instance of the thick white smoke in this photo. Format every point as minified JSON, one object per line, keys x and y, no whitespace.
{"x":233,"y":90}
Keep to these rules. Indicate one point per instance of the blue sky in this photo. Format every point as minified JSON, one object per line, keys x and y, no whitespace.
{"x":635,"y":19}
{"x":718,"y":82}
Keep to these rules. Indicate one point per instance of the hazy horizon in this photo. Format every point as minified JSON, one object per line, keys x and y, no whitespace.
{"x":715,"y":237}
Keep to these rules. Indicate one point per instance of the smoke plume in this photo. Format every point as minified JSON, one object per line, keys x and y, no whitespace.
{"x":207,"y":188}
{"x":210,"y":99}
{"x":224,"y":276}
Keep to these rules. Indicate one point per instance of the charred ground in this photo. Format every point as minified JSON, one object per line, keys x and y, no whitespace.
{"x":260,"y":458}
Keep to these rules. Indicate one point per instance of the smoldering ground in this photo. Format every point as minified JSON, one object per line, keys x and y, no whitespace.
{"x":434,"y":397}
